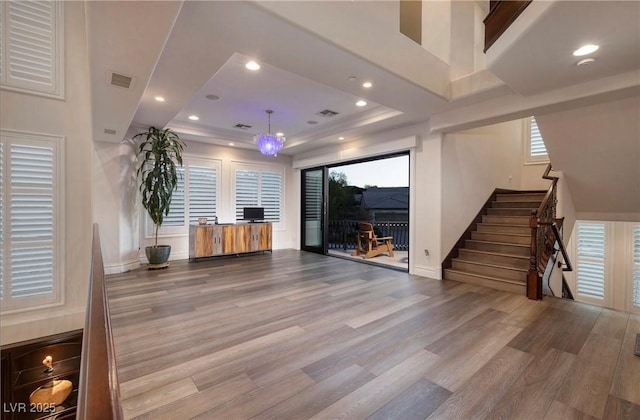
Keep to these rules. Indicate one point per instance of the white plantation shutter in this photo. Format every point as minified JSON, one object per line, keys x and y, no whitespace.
{"x":591,"y":259}
{"x":537,"y":142}
{"x":270,"y":195}
{"x":535,"y":150}
{"x":246,"y":190}
{"x":31,"y":219}
{"x":636,"y":266}
{"x":259,"y":188}
{"x":202,"y":192}
{"x":32,"y":53}
{"x":177,"y":207}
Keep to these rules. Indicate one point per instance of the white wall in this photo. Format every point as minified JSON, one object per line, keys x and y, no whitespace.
{"x":122,"y":218}
{"x":474,"y":164}
{"x":69,"y":118}
{"x":598,"y":149}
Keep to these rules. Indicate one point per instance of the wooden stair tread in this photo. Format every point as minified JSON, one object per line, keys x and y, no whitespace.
{"x":499,"y":243}
{"x":522,"y":235}
{"x":490,"y":265}
{"x":500,"y":254}
{"x":497,"y":224}
{"x":493,"y":278}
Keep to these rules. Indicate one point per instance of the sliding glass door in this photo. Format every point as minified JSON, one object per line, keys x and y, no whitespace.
{"x":313,"y":210}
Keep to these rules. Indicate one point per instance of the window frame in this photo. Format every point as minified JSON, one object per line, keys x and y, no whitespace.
{"x":57,"y":88}
{"x":607,"y":299}
{"x":528,"y":158}
{"x":260,"y":168}
{"x":57,"y":144}
{"x":181,"y":230}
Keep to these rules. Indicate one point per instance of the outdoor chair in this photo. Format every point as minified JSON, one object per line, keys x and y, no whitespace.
{"x":369,"y":245}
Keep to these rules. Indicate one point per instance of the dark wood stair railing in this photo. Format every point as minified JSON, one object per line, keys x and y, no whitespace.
{"x":545,"y":234}
{"x":99,"y":391}
{"x":501,"y":15}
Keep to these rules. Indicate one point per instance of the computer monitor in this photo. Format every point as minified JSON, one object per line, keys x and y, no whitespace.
{"x":253,"y":214}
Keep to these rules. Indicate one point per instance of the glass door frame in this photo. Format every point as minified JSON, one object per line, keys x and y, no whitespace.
{"x":322,"y":248}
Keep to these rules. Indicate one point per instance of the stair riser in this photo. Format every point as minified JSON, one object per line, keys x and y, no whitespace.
{"x":509,"y":212}
{"x":500,"y":272}
{"x":521,"y":197}
{"x":498,"y":237}
{"x":505,"y":220}
{"x":501,"y":248}
{"x":504,"y":260}
{"x":494,"y":284}
{"x":516,"y":204}
{"x":520,"y":230}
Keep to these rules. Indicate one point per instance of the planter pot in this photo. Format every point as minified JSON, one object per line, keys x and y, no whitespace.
{"x":158,"y":254}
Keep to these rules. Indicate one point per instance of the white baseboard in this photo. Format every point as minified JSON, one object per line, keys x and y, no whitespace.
{"x":123,"y":267}
{"x":430,"y":271}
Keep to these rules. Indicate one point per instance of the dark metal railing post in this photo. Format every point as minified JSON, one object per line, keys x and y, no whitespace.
{"x":534,"y":284}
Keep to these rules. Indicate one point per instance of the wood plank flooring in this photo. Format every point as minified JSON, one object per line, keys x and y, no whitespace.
{"x":295,"y":335}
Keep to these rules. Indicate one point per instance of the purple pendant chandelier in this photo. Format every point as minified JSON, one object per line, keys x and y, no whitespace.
{"x":269,"y":144}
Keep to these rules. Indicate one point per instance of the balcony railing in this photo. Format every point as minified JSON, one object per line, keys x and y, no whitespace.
{"x":342,"y":233}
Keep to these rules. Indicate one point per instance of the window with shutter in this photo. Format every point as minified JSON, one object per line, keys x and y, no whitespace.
{"x":32,"y":53}
{"x":636,"y":266}
{"x":176,"y":215}
{"x":262,"y":188}
{"x":591,"y":251}
{"x":195,"y":197}
{"x":536,"y":151}
{"x":202,"y":192}
{"x":30,"y":219}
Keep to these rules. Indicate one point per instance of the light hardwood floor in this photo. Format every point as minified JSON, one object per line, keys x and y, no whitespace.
{"x":295,"y":335}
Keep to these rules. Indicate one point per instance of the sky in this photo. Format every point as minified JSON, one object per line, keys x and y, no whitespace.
{"x":391,"y":172}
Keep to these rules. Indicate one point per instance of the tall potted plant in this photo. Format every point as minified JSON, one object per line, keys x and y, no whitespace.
{"x":159,"y":154}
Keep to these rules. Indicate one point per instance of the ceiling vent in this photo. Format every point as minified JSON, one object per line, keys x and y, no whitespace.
{"x":110,"y":131}
{"x":327,"y":113}
{"x":120,"y":80}
{"x":242,"y":126}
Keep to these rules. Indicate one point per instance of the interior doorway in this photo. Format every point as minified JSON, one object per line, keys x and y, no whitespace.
{"x":336,"y":198}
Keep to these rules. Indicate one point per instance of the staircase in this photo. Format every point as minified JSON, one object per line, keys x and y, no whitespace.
{"x":497,"y":255}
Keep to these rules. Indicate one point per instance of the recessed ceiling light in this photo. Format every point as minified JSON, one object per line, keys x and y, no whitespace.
{"x":213,"y":97}
{"x":352,"y":78}
{"x":252,"y":65}
{"x":585,"y":61}
{"x":231,"y":144}
{"x":367,"y":84}
{"x":361,"y":103}
{"x":194,"y":117}
{"x":279,"y":134}
{"x":159,"y":98}
{"x":585,"y":49}
{"x":340,"y":138}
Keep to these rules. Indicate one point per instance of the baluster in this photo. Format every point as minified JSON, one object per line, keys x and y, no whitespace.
{"x":533,"y":291}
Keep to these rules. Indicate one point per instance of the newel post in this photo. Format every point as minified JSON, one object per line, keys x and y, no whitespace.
{"x":534,"y":282}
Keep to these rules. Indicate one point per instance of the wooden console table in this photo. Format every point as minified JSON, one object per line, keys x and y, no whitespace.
{"x":227,"y":239}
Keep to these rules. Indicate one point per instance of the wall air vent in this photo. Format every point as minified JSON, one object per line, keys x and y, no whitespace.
{"x":327,"y":113}
{"x":120,"y":80}
{"x":110,"y":131}
{"x":242,"y":126}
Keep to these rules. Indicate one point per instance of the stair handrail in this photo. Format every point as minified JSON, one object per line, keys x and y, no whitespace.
{"x":563,"y":250}
{"x":542,"y":222}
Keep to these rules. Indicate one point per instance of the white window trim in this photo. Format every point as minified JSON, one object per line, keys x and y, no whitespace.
{"x":260,"y":167}
{"x":526,"y":135}
{"x":58,"y":297}
{"x":57,"y":90}
{"x":177,"y":231}
{"x":607,"y":300}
